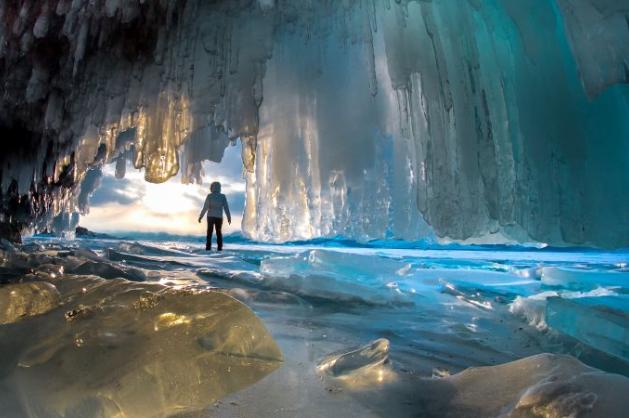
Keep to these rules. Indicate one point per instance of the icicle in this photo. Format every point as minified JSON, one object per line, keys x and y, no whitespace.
{"x":81,"y":45}
{"x":370,"y":56}
{"x":111,"y":7}
{"x":248,"y":152}
{"x":40,"y":29}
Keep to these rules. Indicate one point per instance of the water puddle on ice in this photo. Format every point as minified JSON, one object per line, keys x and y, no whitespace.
{"x":362,"y":331}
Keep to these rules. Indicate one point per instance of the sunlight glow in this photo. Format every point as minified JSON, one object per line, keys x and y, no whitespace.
{"x":114,"y":218}
{"x":170,"y":198}
{"x":170,"y":207}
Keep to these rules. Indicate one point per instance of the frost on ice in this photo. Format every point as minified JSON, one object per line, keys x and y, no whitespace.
{"x":496,"y":120}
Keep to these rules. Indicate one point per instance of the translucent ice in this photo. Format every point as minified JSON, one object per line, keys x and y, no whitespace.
{"x":335,"y":276}
{"x":107,"y":271}
{"x":144,"y":249}
{"x":583,"y":279}
{"x":358,"y":268}
{"x":19,"y":301}
{"x":118,"y":348}
{"x":482,"y":120}
{"x":141,"y":260}
{"x":533,"y":307}
{"x":358,"y":368}
{"x":520,"y":179}
{"x":354,"y":360}
{"x":544,"y":385}
{"x":600,"y":322}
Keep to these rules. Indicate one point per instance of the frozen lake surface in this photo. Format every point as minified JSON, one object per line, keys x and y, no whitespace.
{"x":380,"y":331}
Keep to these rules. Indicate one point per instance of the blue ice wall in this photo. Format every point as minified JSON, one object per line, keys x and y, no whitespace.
{"x":507,"y":131}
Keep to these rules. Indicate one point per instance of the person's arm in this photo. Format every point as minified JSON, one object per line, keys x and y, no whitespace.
{"x":205,"y":208}
{"x":226,"y":207}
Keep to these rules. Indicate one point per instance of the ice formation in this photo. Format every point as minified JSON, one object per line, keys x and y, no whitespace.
{"x":337,"y":277}
{"x":368,"y":118}
{"x":353,"y":360}
{"x":18,"y":301}
{"x":541,"y":386}
{"x":581,"y":279}
{"x":73,"y":344}
{"x":115,"y":348}
{"x":544,"y":385}
{"x":600,"y":322}
{"x":588,"y":305}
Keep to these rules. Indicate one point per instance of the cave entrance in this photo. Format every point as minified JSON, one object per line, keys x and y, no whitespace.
{"x":133,"y":207}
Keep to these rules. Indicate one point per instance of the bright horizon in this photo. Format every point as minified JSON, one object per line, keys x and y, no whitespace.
{"x":134,"y":205}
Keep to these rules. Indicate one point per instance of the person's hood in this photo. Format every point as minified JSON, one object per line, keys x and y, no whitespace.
{"x":215,"y":187}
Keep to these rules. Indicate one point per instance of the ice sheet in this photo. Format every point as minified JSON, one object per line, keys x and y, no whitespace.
{"x":318,"y":304}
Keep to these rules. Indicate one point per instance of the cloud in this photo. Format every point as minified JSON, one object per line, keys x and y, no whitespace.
{"x":197,"y":198}
{"x":229,"y":168}
{"x":236,"y":202}
{"x":115,"y":218}
{"x":112,"y":190}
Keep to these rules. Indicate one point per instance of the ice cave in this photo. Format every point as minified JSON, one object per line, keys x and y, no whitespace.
{"x":430,"y":202}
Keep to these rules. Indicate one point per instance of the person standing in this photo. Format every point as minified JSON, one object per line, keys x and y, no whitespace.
{"x":215,"y":203}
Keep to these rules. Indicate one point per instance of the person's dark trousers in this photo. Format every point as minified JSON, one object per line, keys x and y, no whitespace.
{"x":216,"y":223}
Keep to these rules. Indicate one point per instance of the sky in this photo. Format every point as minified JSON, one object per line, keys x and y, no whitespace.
{"x":132,"y":204}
